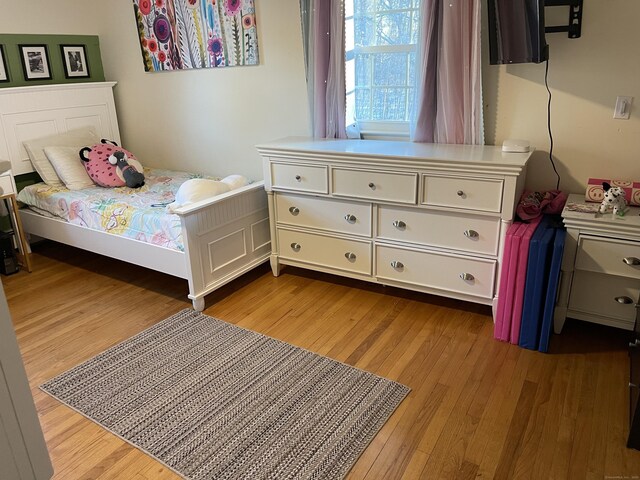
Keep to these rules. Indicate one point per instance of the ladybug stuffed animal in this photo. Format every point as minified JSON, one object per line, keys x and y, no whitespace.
{"x":105,"y":173}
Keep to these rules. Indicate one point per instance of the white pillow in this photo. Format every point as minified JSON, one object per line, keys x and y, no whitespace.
{"x":68,"y":166}
{"x":197,"y":189}
{"x":82,"y":137}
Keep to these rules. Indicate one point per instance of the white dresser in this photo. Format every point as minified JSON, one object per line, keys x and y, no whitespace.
{"x":600,"y":279}
{"x":425,"y":217}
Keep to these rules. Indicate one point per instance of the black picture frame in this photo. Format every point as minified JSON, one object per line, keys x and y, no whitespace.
{"x":35,"y":62}
{"x":4,"y":66}
{"x":74,"y":60}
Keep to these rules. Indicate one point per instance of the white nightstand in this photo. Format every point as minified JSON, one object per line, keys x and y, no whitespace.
{"x":8,"y":195}
{"x":600,"y":279}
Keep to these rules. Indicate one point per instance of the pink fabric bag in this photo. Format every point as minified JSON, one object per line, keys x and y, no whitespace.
{"x":534,"y":204}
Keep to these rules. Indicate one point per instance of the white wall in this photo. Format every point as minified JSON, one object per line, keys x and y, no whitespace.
{"x":585,"y":76}
{"x":210,"y":120}
{"x":73,"y":17}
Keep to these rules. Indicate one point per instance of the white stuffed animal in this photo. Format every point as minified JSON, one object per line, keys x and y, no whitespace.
{"x":613,"y":198}
{"x":197,"y":189}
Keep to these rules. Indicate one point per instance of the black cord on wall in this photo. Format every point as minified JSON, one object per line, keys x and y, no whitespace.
{"x":546,"y":83}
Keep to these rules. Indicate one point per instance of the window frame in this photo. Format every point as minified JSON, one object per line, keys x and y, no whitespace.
{"x":386,"y":129}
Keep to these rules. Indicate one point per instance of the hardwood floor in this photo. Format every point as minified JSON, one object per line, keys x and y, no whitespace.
{"x":478,"y":408}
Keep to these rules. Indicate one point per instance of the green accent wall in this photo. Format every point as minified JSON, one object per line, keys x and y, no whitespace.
{"x":15,"y":72}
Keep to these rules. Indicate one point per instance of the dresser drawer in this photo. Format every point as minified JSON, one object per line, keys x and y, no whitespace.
{"x":484,"y":195}
{"x":607,"y":255}
{"x":435,"y":270}
{"x":324,"y":214}
{"x":6,"y":185}
{"x":375,"y":185}
{"x":471,"y":233}
{"x":348,"y":255}
{"x":302,"y":178}
{"x":596,"y":293}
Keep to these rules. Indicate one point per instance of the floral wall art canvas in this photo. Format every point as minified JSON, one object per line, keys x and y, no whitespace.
{"x":182,"y":34}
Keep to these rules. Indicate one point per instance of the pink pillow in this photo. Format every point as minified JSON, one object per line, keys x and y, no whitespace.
{"x":96,"y":162}
{"x":595,"y":190}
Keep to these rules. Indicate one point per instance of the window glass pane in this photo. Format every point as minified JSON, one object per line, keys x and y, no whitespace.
{"x":363,"y":69}
{"x":364,"y":32}
{"x":412,"y":69}
{"x":411,"y":100}
{"x":363,"y":6}
{"x":393,"y":4}
{"x":385,"y":37}
{"x":389,"y":104}
{"x":393,"y":29}
{"x":415,"y":27}
{"x":390,"y":69}
{"x":363,"y":104}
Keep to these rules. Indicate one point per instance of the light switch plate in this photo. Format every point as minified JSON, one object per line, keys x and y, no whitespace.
{"x":623,"y":108}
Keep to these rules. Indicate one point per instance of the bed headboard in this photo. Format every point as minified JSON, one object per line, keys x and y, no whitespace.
{"x":38,"y":111}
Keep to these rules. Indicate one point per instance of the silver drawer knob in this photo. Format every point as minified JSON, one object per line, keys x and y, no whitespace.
{"x":350,"y":218}
{"x":631,"y":260}
{"x":350,"y":256}
{"x":471,"y":234}
{"x":294,"y":210}
{"x":298,"y":178}
{"x":295,"y":247}
{"x":633,"y":385}
{"x":399,"y":224}
{"x":397,"y":265}
{"x":624,"y":300}
{"x":635,"y":343}
{"x":467,"y":277}
{"x":372,"y":185}
{"x":460,"y":193}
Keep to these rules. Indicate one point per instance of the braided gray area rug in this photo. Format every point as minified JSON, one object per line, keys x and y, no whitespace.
{"x":214,"y":401}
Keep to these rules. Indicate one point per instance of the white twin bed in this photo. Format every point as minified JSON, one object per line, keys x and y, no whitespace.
{"x":214,"y":240}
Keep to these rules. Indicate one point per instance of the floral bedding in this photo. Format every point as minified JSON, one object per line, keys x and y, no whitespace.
{"x":137,"y":213}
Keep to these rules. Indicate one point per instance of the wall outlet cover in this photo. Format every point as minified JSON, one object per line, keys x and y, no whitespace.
{"x":516,"y":146}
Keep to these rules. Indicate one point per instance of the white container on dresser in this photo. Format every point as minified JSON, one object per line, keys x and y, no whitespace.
{"x":600,"y":280}
{"x":426,"y":217}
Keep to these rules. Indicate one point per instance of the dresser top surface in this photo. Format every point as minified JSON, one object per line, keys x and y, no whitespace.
{"x":606,"y":222}
{"x":397,"y":150}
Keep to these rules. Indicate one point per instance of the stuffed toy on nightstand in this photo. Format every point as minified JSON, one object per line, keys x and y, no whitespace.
{"x":613,"y":199}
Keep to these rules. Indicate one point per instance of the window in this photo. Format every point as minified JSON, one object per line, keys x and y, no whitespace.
{"x":381,"y":38}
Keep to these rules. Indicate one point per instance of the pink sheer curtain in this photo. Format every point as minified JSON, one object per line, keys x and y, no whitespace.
{"x":323,"y":27}
{"x":449,"y":88}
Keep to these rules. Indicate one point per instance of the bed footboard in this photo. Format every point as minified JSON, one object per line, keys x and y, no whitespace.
{"x":224,"y":237}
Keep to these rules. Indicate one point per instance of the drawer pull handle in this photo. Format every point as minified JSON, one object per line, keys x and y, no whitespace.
{"x":298,"y":178}
{"x":350,"y":256}
{"x":635,"y":343}
{"x":624,"y":300}
{"x":350,"y":218}
{"x":632,"y":385}
{"x":372,"y":185}
{"x":399,"y":224}
{"x":460,"y":193}
{"x":397,"y":265}
{"x":467,"y":277}
{"x":471,"y":234}
{"x":294,"y":210}
{"x":295,"y":247}
{"x":631,"y":260}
